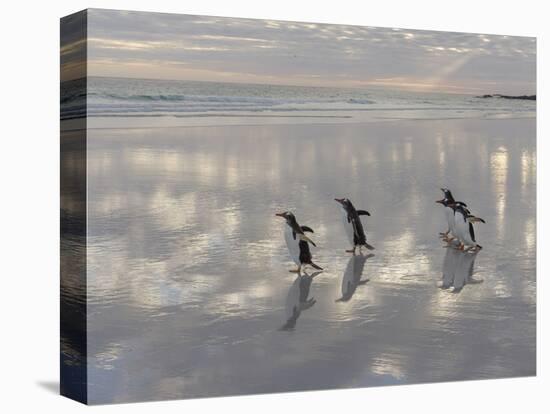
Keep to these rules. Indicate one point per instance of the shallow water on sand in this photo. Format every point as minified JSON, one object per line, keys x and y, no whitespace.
{"x":189,"y":292}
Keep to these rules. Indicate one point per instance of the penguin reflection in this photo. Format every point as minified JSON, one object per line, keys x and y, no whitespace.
{"x":298,"y":299}
{"x":458,"y":269}
{"x":352,"y":276}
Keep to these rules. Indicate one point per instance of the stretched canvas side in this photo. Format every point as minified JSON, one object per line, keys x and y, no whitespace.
{"x":73,"y":336}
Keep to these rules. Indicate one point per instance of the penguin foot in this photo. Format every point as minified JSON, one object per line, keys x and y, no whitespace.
{"x":350,"y":251}
{"x":294,"y":271}
{"x":367,"y":246}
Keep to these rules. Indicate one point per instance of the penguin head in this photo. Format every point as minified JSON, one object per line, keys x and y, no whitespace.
{"x":345,"y":203}
{"x":445,"y":202}
{"x":288,"y":216}
{"x":460,"y":207}
{"x":448,"y":195}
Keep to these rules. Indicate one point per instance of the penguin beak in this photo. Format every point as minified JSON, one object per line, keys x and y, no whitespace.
{"x":440,"y":201}
{"x":340,"y":200}
{"x":280,"y":215}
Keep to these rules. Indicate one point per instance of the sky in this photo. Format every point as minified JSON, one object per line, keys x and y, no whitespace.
{"x":174,"y":46}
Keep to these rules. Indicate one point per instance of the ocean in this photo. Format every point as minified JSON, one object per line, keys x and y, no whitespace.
{"x":181,"y":103}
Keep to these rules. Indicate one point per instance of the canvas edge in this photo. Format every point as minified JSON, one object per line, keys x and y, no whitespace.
{"x":73,"y":212}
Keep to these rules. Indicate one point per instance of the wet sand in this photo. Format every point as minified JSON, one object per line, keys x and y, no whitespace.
{"x":189,"y":293}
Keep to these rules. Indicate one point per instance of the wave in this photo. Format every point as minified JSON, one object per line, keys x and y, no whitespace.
{"x":141,"y":97}
{"x":109,"y":104}
{"x":361,"y":101}
{"x":222,"y":98}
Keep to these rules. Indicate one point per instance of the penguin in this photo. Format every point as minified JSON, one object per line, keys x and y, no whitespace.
{"x":352,"y":276}
{"x":297,"y":242}
{"x":446,"y":202}
{"x":464,"y":228}
{"x":449,"y":202}
{"x":352,"y":224}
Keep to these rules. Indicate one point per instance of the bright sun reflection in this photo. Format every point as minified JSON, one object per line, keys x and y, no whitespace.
{"x":499,"y":172}
{"x":528,"y":169}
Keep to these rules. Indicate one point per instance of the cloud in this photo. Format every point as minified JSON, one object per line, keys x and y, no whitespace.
{"x":307,"y":53}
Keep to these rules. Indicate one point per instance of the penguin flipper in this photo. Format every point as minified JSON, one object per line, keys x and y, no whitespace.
{"x":363,"y":213}
{"x":472,"y":234}
{"x":306,"y":228}
{"x":315,"y":266}
{"x":303,"y":237}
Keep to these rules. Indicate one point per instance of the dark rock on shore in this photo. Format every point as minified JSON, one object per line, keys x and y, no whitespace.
{"x":523,"y":97}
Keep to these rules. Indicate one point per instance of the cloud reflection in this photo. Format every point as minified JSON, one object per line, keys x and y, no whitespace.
{"x":194,"y":259}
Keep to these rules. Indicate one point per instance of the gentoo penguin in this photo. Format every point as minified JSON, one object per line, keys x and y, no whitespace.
{"x":297,"y":242}
{"x":298,"y":300}
{"x":352,"y":276}
{"x":352,"y":224}
{"x":464,"y":228}
{"x":447,"y":201}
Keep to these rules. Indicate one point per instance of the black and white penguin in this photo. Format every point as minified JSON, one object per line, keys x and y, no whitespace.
{"x":447,"y":201}
{"x":464,"y":228}
{"x":297,"y":242}
{"x":353,"y":226}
